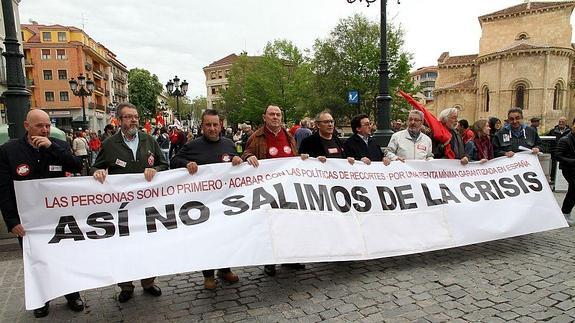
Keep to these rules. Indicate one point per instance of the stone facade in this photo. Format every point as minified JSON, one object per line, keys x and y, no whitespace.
{"x":525,"y":59}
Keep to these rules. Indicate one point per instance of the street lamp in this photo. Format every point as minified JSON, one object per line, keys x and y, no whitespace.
{"x":383,"y":100}
{"x":82,"y":88}
{"x":112,"y":109}
{"x":177,"y":90}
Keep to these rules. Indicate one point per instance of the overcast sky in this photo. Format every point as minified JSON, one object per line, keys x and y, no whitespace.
{"x":180,"y":37}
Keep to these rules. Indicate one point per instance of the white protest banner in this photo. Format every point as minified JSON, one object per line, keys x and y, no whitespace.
{"x":82,"y":234}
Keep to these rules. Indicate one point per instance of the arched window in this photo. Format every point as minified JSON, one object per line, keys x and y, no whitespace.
{"x":522,"y":36}
{"x":485,"y":104}
{"x":521,"y":96}
{"x":558,"y":97}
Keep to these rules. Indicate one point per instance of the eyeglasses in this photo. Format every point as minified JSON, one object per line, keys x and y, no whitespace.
{"x":327,"y":121}
{"x":129,"y":116}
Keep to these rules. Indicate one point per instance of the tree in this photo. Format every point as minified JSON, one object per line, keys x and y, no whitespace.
{"x":349,"y":60}
{"x":143,"y":90}
{"x":274,"y":78}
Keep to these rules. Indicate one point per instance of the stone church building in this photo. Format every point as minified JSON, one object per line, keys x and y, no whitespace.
{"x":526,"y":59}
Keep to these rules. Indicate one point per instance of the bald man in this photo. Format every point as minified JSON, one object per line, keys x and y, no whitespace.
{"x":34,"y":156}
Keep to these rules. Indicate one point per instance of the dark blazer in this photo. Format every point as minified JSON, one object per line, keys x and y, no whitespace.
{"x":565,"y":153}
{"x":355,"y":147}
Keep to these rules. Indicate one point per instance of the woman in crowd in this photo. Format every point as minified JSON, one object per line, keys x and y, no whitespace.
{"x":480,"y":148}
{"x":494,"y":126}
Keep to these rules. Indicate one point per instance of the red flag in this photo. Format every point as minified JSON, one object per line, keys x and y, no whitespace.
{"x":148,"y":127}
{"x":440,"y":131}
{"x":160,"y":120}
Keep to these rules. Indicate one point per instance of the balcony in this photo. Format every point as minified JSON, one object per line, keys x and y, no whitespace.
{"x":98,"y":73}
{"x":99,"y":90}
{"x":120,"y":78}
{"x":30,"y":83}
{"x":106,"y":76}
{"x":88,"y":66}
{"x":28,"y":62}
{"x":121,"y":92}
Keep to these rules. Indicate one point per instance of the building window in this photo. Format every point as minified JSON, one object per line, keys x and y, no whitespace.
{"x":47,"y":75}
{"x":213,"y":90}
{"x":62,"y":74}
{"x":213,"y":75}
{"x":49,"y":96}
{"x":227,"y":73}
{"x":521,"y":95}
{"x":558,"y":97}
{"x":522,"y":36}
{"x":60,"y":54}
{"x":64,"y":96}
{"x":486,"y":99}
{"x":62,"y":37}
{"x":46,"y":36}
{"x":45,"y":54}
{"x":220,"y":75}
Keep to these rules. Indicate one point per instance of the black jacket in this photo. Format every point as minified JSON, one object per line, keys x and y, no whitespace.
{"x":19,"y":161}
{"x":202,"y":151}
{"x":565,"y":153}
{"x":503,"y":141}
{"x":313,"y":147}
{"x":355,"y":147}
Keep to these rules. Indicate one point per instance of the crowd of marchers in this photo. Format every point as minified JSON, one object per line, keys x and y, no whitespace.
{"x":129,"y":149}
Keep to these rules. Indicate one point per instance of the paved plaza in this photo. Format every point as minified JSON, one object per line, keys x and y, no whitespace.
{"x":524,"y":279}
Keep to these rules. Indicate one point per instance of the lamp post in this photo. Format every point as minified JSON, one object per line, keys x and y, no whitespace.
{"x":177,"y":90}
{"x":383,"y":100}
{"x":112,"y":109}
{"x":17,"y":96}
{"x":82,"y":88}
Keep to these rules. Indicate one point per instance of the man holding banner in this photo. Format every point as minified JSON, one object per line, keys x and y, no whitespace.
{"x":130,"y":151}
{"x":210,"y":148}
{"x":34,"y":156}
{"x":271,"y":141}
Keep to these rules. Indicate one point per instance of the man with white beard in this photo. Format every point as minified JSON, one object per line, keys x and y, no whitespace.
{"x":410,"y":143}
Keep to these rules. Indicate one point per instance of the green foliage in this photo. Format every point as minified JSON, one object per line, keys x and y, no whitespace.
{"x":348,"y":59}
{"x":143,"y":90}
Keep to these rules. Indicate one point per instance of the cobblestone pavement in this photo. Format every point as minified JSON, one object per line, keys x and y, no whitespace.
{"x":524,"y":279}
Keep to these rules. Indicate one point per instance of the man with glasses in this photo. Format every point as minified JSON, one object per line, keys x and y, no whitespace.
{"x":508,"y":140}
{"x":271,"y":141}
{"x":410,"y":143}
{"x":126,"y":152}
{"x":324,"y":143}
{"x":361,"y":145}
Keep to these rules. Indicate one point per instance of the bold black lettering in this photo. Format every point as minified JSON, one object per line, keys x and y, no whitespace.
{"x":108,"y":227}
{"x":321,"y":199}
{"x":235,"y":201}
{"x":60,"y":231}
{"x":123,"y":227}
{"x":382,"y":191}
{"x":531,"y":177}
{"x":402,"y":195}
{"x":521,"y":184}
{"x":300,"y":196}
{"x":346,"y":197}
{"x":511,"y":190}
{"x":447,"y":195}
{"x":463,"y":187}
{"x":356,"y":193}
{"x":484,"y":189}
{"x":262,"y":197}
{"x":430,"y":201}
{"x":497,"y":189}
{"x":169,"y":222}
{"x":194,"y":205}
{"x":282,"y":198}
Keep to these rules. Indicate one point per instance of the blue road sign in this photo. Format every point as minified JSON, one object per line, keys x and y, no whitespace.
{"x":353,"y":97}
